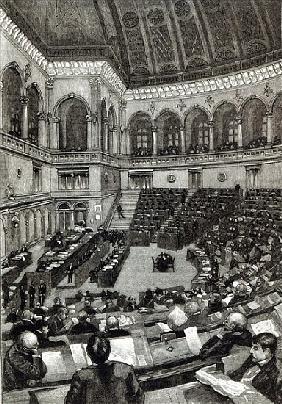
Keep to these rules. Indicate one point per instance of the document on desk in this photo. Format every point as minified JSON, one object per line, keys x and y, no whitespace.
{"x":193,"y":340}
{"x":265,"y":326}
{"x":55,"y":365}
{"x":122,"y":350}
{"x":79,"y":355}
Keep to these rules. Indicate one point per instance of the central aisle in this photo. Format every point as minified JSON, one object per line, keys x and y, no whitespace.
{"x":137,"y":273}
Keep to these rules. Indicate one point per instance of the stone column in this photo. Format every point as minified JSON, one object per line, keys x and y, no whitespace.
{"x":54,"y":141}
{"x":122,"y":127}
{"x":24,"y":102}
{"x":128,"y":141}
{"x":155,"y":141}
{"x":182,"y":140}
{"x":95,"y":97}
{"x":115,"y":140}
{"x":105,"y":124}
{"x":49,"y":108}
{"x":211,"y":142}
{"x":42,"y":132}
{"x":269,"y":129}
{"x":89,"y":132}
{"x":240,"y":134}
{"x":1,"y":105}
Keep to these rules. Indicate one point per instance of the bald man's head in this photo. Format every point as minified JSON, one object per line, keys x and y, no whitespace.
{"x":28,"y":341}
{"x":235,"y":321}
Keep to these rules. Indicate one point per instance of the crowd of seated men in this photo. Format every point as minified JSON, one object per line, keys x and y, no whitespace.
{"x":21,"y":257}
{"x":258,"y":142}
{"x":197,"y":148}
{"x":203,"y":209}
{"x":227,"y":146}
{"x":169,"y":150}
{"x":142,"y":152}
{"x":153,"y":208}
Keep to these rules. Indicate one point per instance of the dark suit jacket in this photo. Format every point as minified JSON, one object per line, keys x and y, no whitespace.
{"x":265,"y":381}
{"x":19,"y":368}
{"x":110,"y":383}
{"x":222,"y":347}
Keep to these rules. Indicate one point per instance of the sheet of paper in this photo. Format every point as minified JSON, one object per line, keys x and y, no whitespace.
{"x":55,"y":365}
{"x":265,"y":326}
{"x":164,"y":327}
{"x":78,"y":355}
{"x":122,"y":350}
{"x":193,"y":340}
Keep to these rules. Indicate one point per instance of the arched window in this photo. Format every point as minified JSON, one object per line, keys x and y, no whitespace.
{"x":277,"y":120}
{"x":140,"y":132}
{"x":254,"y":123}
{"x":12,"y":108}
{"x":197,"y":131}
{"x":33,"y":109}
{"x":80,"y":214}
{"x":168,"y":124}
{"x":225,"y":126}
{"x":64,"y":213}
{"x":73,"y":126}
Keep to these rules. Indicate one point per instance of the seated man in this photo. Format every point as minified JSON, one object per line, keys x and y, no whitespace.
{"x":104,"y":382}
{"x":236,"y":334}
{"x":84,"y":325}
{"x":260,"y":369}
{"x":57,"y":324}
{"x":22,"y":365}
{"x":26,"y":323}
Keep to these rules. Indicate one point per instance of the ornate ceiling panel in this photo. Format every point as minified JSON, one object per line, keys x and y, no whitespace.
{"x":154,"y":41}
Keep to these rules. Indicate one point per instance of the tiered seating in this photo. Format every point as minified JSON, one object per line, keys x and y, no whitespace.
{"x":153,"y":208}
{"x":190,"y":219}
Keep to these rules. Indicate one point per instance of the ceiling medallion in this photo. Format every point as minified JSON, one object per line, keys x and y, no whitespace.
{"x":130,"y":19}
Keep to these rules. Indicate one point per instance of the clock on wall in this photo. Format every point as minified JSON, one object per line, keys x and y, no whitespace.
{"x":221,"y":177}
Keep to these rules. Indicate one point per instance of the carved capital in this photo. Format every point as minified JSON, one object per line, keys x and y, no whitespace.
{"x":56,"y":119}
{"x":123,"y":104}
{"x":211,"y":123}
{"x":42,"y":116}
{"x":89,"y":118}
{"x":239,"y":120}
{"x":50,"y":83}
{"x":24,"y":99}
{"x":154,"y":128}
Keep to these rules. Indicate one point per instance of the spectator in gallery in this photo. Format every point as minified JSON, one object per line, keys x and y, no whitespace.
{"x":42,"y":292}
{"x":104,"y":382}
{"x":260,"y":369}
{"x":120,"y":211}
{"x":22,"y":365}
{"x":235,"y":333}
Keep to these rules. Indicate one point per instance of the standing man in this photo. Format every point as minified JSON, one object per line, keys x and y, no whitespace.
{"x":31,"y":293}
{"x":23,"y":297}
{"x":42,"y":292}
{"x":70,"y":272}
{"x":104,"y":382}
{"x":120,"y":211}
{"x":6,"y":293}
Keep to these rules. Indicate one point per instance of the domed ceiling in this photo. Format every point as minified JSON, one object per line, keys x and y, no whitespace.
{"x":154,"y":41}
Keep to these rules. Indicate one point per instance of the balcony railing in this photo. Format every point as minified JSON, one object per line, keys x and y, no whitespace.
{"x":59,"y":157}
{"x":264,"y":153}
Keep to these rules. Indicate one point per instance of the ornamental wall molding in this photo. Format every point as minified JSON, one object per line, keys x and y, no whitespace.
{"x":203,"y":86}
{"x":18,"y":37}
{"x":109,"y":75}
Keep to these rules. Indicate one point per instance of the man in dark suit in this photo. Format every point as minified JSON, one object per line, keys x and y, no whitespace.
{"x":104,"y":382}
{"x":235,"y":333}
{"x":22,"y":364}
{"x":260,"y":369}
{"x":42,"y":290}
